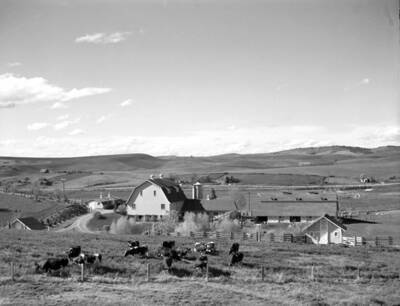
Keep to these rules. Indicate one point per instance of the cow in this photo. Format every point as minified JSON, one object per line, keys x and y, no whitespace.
{"x":168,"y":244}
{"x":74,"y":252}
{"x":168,"y":262}
{"x":133,"y":244}
{"x":201,"y":262}
{"x":234,"y":248}
{"x":236,"y":258}
{"x":210,"y":248}
{"x":88,"y":258}
{"x":53,"y":264}
{"x":199,"y":247}
{"x":141,"y":250}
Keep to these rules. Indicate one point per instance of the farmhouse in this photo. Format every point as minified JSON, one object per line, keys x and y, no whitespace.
{"x":27,"y":223}
{"x":325,"y":230}
{"x":109,"y":202}
{"x":157,"y":197}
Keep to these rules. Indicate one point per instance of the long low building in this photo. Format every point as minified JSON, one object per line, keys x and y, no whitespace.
{"x":285,"y":209}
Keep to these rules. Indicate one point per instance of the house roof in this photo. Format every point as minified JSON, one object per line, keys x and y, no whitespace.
{"x":188,"y":205}
{"x":31,"y":223}
{"x":331,"y":219}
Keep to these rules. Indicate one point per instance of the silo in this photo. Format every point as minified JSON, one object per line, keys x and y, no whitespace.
{"x":197,"y":191}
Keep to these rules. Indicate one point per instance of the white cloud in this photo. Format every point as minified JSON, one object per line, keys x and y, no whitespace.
{"x":206,"y":142}
{"x":63,"y":117}
{"x":17,"y":90}
{"x":103,"y":38}
{"x":126,"y":102}
{"x":14,"y":64}
{"x":101,"y":119}
{"x":66,"y":123}
{"x":37,"y":126}
{"x":76,"y":132}
{"x":59,"y":105}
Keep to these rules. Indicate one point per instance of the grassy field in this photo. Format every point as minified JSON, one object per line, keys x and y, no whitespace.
{"x":122,"y":280}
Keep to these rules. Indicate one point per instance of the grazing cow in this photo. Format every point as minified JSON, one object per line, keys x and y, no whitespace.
{"x":236,"y":258}
{"x":182,"y":252}
{"x":141,"y":250}
{"x":53,"y":264}
{"x":234,"y":248}
{"x":199,"y":247}
{"x":168,"y":244}
{"x":133,"y":244}
{"x":74,"y":252}
{"x":201,"y":262}
{"x":210,"y":248}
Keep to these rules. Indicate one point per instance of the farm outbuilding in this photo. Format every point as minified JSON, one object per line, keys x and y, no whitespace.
{"x":27,"y":223}
{"x":325,"y":230}
{"x":157,"y":197}
{"x":108,"y":202}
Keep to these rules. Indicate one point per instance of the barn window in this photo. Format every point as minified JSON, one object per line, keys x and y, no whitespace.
{"x":336,"y":233}
{"x":141,"y":193}
{"x":162,"y":206}
{"x":155,"y":192}
{"x":134,"y":206}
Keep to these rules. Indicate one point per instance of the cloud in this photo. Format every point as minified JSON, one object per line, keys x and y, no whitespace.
{"x":37,"y":126}
{"x":17,"y":90}
{"x":76,"y":132}
{"x":63,"y":117}
{"x":206,"y":142}
{"x":126,"y":103}
{"x":66,"y":123}
{"x":101,"y":119}
{"x":103,"y":38}
{"x":14,"y":64}
{"x":59,"y":105}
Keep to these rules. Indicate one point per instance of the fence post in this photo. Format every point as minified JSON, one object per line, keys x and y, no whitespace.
{"x":207,"y":272}
{"x":262,"y":273}
{"x":82,"y":273}
{"x":148,"y":273}
{"x":358,"y":273}
{"x":12,"y":270}
{"x":232,"y":237}
{"x":312,"y":273}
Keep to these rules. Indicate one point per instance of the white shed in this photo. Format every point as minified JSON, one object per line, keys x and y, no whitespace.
{"x":325,"y":230}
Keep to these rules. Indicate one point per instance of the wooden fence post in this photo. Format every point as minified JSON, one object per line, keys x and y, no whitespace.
{"x":82,"y":272}
{"x":12,"y":270}
{"x":148,"y":273}
{"x":312,"y":273}
{"x":207,"y":272}
{"x":262,"y":273}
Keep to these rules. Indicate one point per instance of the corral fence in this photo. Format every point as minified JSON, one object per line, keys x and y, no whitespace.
{"x":385,"y":241}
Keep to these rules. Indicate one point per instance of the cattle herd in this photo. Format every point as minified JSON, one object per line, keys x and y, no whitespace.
{"x":168,"y":251}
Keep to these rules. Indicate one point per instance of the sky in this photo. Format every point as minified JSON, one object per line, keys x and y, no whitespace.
{"x":200,"y":78}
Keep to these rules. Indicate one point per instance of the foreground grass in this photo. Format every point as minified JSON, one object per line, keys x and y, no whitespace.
{"x":122,"y":280}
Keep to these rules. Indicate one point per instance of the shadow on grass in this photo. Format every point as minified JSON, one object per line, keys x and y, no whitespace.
{"x":180,"y":272}
{"x":102,"y":269}
{"x":354,"y":221}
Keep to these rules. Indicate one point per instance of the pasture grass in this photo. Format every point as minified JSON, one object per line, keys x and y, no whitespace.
{"x":123,"y":280}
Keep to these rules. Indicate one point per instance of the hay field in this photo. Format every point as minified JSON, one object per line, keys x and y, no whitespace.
{"x":120,"y":280}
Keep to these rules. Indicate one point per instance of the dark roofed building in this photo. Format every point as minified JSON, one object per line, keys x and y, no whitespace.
{"x":27,"y":223}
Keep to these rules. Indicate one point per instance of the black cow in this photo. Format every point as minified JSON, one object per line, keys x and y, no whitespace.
{"x":141,"y":250}
{"x":133,"y":244}
{"x":236,"y":258}
{"x":201,"y":262}
{"x":234,"y":248}
{"x":169,"y":244}
{"x":53,"y":264}
{"x":74,"y":252}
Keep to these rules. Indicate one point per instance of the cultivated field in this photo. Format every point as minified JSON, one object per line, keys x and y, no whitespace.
{"x":119,"y":280}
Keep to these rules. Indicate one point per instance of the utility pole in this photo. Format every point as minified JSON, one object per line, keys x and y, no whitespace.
{"x":249,"y":205}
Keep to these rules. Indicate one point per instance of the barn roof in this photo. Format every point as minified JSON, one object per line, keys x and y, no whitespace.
{"x":188,"y":205}
{"x":31,"y":223}
{"x":330,"y":219}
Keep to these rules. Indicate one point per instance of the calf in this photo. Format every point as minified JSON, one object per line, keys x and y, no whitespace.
{"x":234,"y":248}
{"x":236,"y":258}
{"x":74,"y":252}
{"x":88,"y":258}
{"x":53,"y":264}
{"x":133,"y":244}
{"x":201,"y":262}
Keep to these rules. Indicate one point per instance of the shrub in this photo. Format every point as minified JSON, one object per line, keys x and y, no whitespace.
{"x":125,"y":225}
{"x":194,"y":223}
{"x":227,"y":225}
